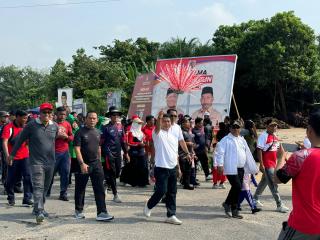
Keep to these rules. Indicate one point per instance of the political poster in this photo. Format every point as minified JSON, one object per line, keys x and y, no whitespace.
{"x":141,"y":99}
{"x":65,"y":98}
{"x":114,"y":99}
{"x":196,"y":86}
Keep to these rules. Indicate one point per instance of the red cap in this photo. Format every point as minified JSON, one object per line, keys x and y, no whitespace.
{"x":44,"y":106}
{"x":134,"y":117}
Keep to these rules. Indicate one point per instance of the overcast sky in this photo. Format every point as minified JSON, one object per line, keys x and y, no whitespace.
{"x":38,"y":36}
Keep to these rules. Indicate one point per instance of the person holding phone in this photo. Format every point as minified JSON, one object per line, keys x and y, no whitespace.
{"x":88,"y":152}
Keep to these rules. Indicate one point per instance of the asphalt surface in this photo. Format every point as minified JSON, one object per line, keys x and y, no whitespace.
{"x":200,"y":210}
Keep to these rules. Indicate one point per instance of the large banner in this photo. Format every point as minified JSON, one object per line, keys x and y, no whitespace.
{"x":209,"y":93}
{"x":114,"y":99}
{"x":141,"y":99}
{"x":65,"y":98}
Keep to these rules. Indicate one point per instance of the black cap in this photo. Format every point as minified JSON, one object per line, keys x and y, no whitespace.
{"x":170,"y":90}
{"x":112,"y":110}
{"x":207,"y":90}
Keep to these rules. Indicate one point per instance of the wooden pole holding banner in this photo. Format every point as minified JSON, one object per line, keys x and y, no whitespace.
{"x":235,"y":104}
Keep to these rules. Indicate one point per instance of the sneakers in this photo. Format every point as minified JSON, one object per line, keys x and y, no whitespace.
{"x":255,"y":210}
{"x":39,"y":218}
{"x":215,"y":186}
{"x":188,"y":187}
{"x":63,"y":198}
{"x":222,"y":186}
{"x":104,"y":216}
{"x":79,"y":215}
{"x":235,"y":214}
{"x":258,"y":203}
{"x":146,"y":211}
{"x":27,"y":203}
{"x":282,"y":209}
{"x":209,"y":177}
{"x":227,"y":209}
{"x":116,"y":199}
{"x":173,"y":220}
{"x":44,"y":212}
{"x":11,"y":203}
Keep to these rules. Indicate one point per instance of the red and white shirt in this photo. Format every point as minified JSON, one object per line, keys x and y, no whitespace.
{"x":304,"y":169}
{"x":269,"y":144}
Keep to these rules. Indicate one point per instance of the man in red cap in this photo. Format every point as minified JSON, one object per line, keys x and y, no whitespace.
{"x":41,"y":134}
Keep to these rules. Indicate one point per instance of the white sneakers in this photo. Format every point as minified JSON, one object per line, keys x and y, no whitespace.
{"x":146,"y":211}
{"x":258,"y":203}
{"x":117,"y":199}
{"x":282,"y":209}
{"x":173,"y":220}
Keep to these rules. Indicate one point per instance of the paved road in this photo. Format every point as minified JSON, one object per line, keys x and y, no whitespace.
{"x":200,"y":210}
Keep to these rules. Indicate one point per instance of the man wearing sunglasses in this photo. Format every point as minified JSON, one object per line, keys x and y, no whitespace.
{"x":268,"y":147}
{"x":41,"y":135}
{"x":233,"y":156}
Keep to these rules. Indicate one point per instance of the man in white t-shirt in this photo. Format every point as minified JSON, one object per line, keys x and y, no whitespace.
{"x":166,"y":139}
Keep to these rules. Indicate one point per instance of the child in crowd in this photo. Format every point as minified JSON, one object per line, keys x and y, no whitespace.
{"x":246,"y":193}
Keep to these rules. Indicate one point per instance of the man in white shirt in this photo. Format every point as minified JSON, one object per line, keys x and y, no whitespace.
{"x":166,"y":139}
{"x":233,"y":155}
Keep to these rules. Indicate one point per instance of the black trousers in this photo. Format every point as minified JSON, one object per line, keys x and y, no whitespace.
{"x":185,"y":167}
{"x":203,"y":158}
{"x":97,"y":177}
{"x":166,"y":183}
{"x":236,"y":185}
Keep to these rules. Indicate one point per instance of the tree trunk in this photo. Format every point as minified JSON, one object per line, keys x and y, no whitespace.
{"x":282,"y":102}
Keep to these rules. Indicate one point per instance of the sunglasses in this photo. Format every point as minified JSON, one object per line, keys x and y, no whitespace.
{"x":46,"y":112}
{"x":235,"y":127}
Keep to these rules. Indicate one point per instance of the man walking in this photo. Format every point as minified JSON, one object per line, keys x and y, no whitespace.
{"x":232,"y":156}
{"x":20,"y":164}
{"x":88,"y":151}
{"x":268,"y":146}
{"x":113,"y":141}
{"x":62,"y":164}
{"x":166,"y":145}
{"x":4,"y":119}
{"x":201,"y":148}
{"x":41,"y":134}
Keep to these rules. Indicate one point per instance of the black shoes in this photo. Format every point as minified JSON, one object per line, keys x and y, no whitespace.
{"x":235,"y":214}
{"x":255,"y":210}
{"x":63,"y":198}
{"x":227,"y":209}
{"x":188,"y":187}
{"x":27,"y":203}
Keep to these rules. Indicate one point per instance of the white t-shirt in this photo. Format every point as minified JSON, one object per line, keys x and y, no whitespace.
{"x":175,"y":129}
{"x":166,"y":148}
{"x":241,"y":152}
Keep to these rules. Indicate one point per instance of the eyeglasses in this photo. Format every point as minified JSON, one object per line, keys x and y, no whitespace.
{"x":235,"y":127}
{"x":46,"y":112}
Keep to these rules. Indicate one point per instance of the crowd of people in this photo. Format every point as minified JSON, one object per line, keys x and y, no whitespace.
{"x":165,"y":151}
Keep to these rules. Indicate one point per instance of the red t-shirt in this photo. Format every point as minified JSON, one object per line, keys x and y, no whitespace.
{"x":148,"y":137}
{"x":62,"y":145}
{"x":12,"y":130}
{"x":304,"y":168}
{"x":269,"y":144}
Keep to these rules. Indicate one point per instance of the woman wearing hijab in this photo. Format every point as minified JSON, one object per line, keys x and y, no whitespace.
{"x":139,"y":165}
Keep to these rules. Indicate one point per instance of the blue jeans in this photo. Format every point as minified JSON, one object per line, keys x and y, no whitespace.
{"x":166,"y":183}
{"x":62,"y":166}
{"x":19,"y":167}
